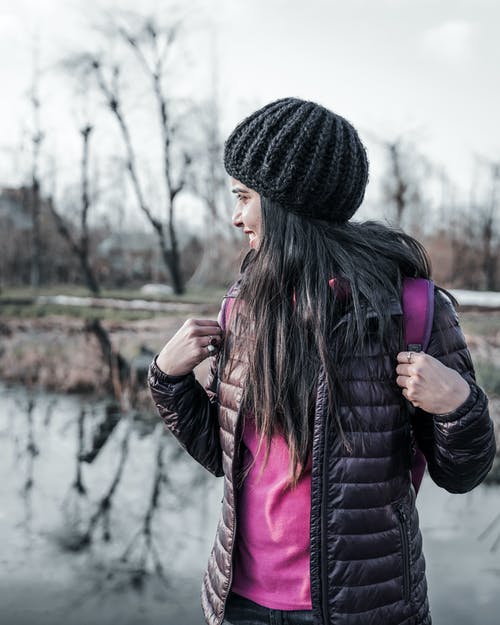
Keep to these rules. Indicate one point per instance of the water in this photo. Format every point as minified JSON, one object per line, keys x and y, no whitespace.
{"x":461,"y":541}
{"x":62,"y":547}
{"x":47,"y":576}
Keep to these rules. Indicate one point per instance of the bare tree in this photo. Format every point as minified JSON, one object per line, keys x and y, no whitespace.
{"x":150,"y":38}
{"x":463,"y":237}
{"x":80,"y":245}
{"x":168,"y":247}
{"x":397,"y":192}
{"x":151,"y":45}
{"x":488,"y":222}
{"x":402,"y":188}
{"x":471,"y":229}
{"x":34,"y":200}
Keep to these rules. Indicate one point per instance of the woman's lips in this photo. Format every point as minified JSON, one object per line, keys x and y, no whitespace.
{"x":251,"y":236}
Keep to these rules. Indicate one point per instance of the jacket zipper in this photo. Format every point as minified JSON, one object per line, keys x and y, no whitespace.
{"x":403,"y":529}
{"x":235,"y":491}
{"x":324,"y":551}
{"x":233,"y":471}
{"x":323,"y":526}
{"x":221,"y":619}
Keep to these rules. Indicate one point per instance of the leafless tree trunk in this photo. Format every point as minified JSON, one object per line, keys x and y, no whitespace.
{"x":485,"y":212}
{"x":80,"y":245}
{"x":489,"y":226}
{"x":489,"y":257}
{"x":463,"y":240}
{"x":400,"y":187}
{"x":84,"y":234}
{"x":35,"y":204}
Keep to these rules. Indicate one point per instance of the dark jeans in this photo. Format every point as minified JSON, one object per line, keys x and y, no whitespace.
{"x":242,"y":611}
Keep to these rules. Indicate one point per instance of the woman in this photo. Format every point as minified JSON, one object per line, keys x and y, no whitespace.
{"x":306,"y":410}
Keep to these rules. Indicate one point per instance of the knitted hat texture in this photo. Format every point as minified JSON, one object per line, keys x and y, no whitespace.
{"x":301,"y":155}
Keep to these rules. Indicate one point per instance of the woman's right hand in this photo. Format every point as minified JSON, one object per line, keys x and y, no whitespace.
{"x":188,"y":347}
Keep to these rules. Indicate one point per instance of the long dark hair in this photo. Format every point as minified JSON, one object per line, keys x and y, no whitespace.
{"x":289,"y":313}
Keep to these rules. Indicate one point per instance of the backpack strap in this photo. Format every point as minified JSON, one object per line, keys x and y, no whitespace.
{"x":418,"y":314}
{"x":226,"y":307}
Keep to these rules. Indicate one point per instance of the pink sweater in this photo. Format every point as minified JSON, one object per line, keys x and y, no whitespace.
{"x":271,"y":560}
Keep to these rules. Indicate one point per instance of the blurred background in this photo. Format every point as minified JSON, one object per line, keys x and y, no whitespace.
{"x":115,"y":226}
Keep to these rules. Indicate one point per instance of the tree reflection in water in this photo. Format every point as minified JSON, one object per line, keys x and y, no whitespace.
{"x":132,"y":532}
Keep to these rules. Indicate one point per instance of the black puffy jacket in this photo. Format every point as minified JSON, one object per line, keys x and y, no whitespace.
{"x":367,"y":565}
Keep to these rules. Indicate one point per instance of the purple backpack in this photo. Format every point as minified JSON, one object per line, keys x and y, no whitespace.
{"x":418,"y":312}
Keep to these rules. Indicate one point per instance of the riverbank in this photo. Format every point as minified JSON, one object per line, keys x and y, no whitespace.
{"x":59,"y":353}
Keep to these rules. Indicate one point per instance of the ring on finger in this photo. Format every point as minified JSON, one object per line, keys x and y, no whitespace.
{"x":408,"y":357}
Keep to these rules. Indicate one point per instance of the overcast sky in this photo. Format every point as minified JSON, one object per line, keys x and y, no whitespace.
{"x":422,"y":69}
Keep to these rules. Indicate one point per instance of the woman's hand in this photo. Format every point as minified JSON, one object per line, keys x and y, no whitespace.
{"x":430,"y":385}
{"x":188,"y":347}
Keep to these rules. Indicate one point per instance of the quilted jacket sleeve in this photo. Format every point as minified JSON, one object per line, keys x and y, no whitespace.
{"x":459,"y":446}
{"x":189,"y":411}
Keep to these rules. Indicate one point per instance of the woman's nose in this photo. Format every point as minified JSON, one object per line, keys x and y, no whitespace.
{"x":236,"y":218}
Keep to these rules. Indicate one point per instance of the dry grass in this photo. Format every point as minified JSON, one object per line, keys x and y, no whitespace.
{"x":56,"y":352}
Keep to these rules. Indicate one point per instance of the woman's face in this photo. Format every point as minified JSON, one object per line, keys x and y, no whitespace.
{"x":247,"y":212}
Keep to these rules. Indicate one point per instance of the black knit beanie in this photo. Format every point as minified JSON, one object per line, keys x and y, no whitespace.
{"x":301,"y":155}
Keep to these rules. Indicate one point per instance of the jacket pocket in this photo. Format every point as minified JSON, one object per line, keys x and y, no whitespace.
{"x":404,"y":531}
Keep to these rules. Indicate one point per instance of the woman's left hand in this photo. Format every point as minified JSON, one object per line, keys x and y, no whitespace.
{"x":430,"y":385}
